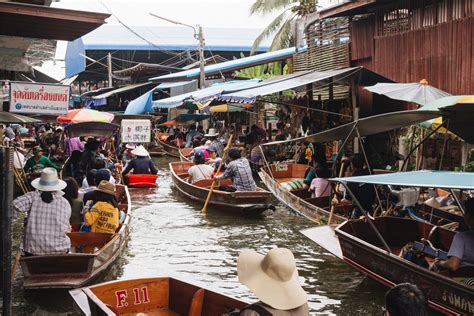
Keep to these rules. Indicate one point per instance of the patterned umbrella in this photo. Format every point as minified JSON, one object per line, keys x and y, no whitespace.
{"x":85,"y":115}
{"x":230,"y":107}
{"x":417,"y":92}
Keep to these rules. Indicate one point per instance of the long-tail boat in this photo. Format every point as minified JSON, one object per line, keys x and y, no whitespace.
{"x":171,"y":150}
{"x":247,"y":203}
{"x":375,"y":246}
{"x":153,"y":296}
{"x":90,"y":254}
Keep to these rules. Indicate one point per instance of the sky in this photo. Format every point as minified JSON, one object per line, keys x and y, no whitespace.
{"x":207,"y":13}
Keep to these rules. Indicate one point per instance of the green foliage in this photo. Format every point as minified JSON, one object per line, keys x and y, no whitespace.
{"x":470,"y":163}
{"x":280,"y":27}
{"x":262,"y":71}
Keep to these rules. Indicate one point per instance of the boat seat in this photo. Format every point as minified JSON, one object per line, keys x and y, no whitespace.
{"x":206,"y":183}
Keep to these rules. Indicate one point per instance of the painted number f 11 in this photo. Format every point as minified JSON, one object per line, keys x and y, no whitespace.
{"x":140,"y":296}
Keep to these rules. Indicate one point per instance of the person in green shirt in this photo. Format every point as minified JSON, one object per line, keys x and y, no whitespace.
{"x":38,"y":161}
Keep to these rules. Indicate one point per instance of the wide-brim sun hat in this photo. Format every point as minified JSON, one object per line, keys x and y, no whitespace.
{"x":212,"y":133}
{"x":130,"y":146}
{"x":106,"y":187}
{"x":48,"y":181}
{"x":273,"y":278}
{"x":140,"y":151}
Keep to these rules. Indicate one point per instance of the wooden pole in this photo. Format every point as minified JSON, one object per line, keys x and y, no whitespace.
{"x":331,"y":213}
{"x":224,"y":156}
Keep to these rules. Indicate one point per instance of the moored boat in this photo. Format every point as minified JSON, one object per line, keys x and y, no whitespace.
{"x":141,"y":180}
{"x":285,"y":181}
{"x":248,"y":203}
{"x":153,"y":296}
{"x":184,"y":154}
{"x":76,"y":268}
{"x":169,"y":149}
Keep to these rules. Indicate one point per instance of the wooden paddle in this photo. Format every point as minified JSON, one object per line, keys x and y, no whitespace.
{"x":224,"y":156}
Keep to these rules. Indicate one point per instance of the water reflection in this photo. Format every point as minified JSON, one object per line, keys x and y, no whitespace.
{"x":169,"y":236}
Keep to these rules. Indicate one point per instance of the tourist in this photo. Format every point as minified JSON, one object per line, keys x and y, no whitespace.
{"x":48,"y":213}
{"x":256,"y":156}
{"x":100,"y":175}
{"x":38,"y":161}
{"x":199,"y":171}
{"x":190,"y":135}
{"x":88,"y":184}
{"x":212,"y":151}
{"x":320,"y":186}
{"x":72,"y":144}
{"x":71,"y":194}
{"x":142,"y":164}
{"x":405,"y":299}
{"x":461,"y":252}
{"x":239,"y":171}
{"x":91,"y":158}
{"x":273,"y":279}
{"x":102,"y":215}
{"x":72,"y":166}
{"x":9,"y":133}
{"x":212,"y":136}
{"x":18,"y":142}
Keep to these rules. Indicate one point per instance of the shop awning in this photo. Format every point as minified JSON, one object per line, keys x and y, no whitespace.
{"x":120,"y":90}
{"x":167,"y":85}
{"x":423,"y":179}
{"x":35,"y":21}
{"x":231,"y":65}
{"x":204,"y":94}
{"x":362,"y":75}
{"x":187,"y":118}
{"x":368,"y":126}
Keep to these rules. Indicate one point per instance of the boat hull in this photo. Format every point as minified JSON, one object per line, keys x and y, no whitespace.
{"x":444,"y":294}
{"x":170,"y":150}
{"x":141,"y":180}
{"x":247,"y":203}
{"x":77,"y":269}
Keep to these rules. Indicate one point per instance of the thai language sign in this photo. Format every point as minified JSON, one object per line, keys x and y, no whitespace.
{"x":39,"y":98}
{"x":136,"y":131}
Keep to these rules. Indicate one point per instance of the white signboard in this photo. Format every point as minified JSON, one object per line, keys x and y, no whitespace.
{"x":39,"y":98}
{"x":136,"y":131}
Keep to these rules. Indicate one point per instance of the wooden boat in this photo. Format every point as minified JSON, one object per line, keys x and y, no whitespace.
{"x":153,"y":296}
{"x":184,"y":154}
{"x":248,"y":203}
{"x":76,"y":269}
{"x":141,"y":180}
{"x":156,"y":152}
{"x":361,"y":248}
{"x":299,"y":200}
{"x":169,"y":149}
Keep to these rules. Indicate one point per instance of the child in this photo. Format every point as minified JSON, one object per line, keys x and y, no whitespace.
{"x":320,"y":186}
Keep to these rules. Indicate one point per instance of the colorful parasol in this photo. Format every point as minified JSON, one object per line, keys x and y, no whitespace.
{"x":417,"y":92}
{"x":85,"y":115}
{"x":230,"y":107}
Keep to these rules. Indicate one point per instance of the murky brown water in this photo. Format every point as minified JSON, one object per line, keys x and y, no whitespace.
{"x":169,"y":236}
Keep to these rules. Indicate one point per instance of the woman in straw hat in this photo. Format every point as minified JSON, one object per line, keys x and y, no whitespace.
{"x":273,"y":279}
{"x":142,"y":164}
{"x":48,"y":214}
{"x":103,"y":216}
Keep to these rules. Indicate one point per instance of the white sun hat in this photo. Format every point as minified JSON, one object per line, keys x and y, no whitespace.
{"x":273,"y":278}
{"x":212,"y":133}
{"x":48,"y":181}
{"x":140,"y":151}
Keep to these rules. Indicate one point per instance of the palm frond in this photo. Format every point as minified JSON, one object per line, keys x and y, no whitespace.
{"x":270,"y":29}
{"x":283,"y":38}
{"x":266,"y":6}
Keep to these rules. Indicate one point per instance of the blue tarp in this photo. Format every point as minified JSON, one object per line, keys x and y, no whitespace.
{"x":230,"y":65}
{"x":204,"y":94}
{"x":424,"y":179}
{"x":142,"y":104}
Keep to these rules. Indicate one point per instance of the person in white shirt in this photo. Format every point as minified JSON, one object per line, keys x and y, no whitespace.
{"x":199,"y":171}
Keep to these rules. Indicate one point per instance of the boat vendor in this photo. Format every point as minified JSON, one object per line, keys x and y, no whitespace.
{"x":190,"y":135}
{"x":48,"y":213}
{"x":142,"y":164}
{"x":461,"y":252}
{"x":273,"y":279}
{"x":212,"y":136}
{"x":199,"y":171}
{"x":238,"y":169}
{"x":127,"y":155}
{"x":38,"y":161}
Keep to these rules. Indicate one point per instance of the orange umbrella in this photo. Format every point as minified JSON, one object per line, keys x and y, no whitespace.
{"x":85,"y":115}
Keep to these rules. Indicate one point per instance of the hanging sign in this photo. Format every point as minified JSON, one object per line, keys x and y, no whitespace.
{"x":136,"y":131}
{"x":39,"y":98}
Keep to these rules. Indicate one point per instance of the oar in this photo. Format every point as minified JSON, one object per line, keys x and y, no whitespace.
{"x":332,"y":204}
{"x":15,"y":264}
{"x":224,"y":156}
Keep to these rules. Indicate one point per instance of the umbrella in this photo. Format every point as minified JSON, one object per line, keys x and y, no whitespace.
{"x":85,"y":115}
{"x":230,"y":107}
{"x":12,"y":118}
{"x":417,"y":92}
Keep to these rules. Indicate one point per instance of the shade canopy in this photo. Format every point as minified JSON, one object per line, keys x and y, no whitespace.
{"x":186,"y":118}
{"x":229,"y":107}
{"x":95,"y":129}
{"x":417,"y":92}
{"x":12,"y":118}
{"x":423,"y":179}
{"x":276,"y":84}
{"x":368,"y":126}
{"x":85,"y":115}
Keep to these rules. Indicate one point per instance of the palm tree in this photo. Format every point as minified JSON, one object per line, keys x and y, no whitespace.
{"x":280,"y":27}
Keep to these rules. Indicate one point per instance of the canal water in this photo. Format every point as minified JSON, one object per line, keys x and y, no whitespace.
{"x":169,"y":236}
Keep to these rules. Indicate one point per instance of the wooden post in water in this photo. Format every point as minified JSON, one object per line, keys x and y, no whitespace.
{"x":6,"y":194}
